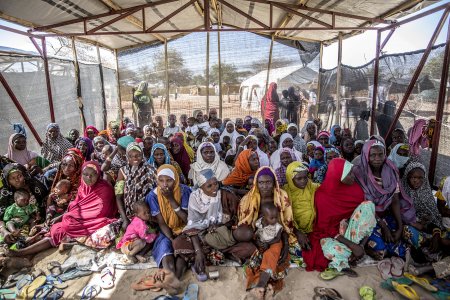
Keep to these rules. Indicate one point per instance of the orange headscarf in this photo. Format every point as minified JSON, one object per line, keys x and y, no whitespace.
{"x":242,"y":170}
{"x":169,"y":215}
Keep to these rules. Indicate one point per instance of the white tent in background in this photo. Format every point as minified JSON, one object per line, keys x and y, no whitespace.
{"x":252,"y":89}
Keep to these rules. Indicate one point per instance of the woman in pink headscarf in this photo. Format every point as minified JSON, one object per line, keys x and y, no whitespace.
{"x":269,"y":103}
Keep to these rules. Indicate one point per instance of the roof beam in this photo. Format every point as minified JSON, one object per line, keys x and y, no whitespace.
{"x":244,"y":14}
{"x":217,"y":9}
{"x":168,"y":17}
{"x":131,"y":19}
{"x":294,"y":12}
{"x":287,"y":17}
{"x":110,"y":13}
{"x":120,"y":17}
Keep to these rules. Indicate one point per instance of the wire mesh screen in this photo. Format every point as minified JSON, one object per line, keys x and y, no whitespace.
{"x":91,"y":94}
{"x":111,"y":95}
{"x":25,"y":76}
{"x":244,"y":61}
{"x":395,"y":73}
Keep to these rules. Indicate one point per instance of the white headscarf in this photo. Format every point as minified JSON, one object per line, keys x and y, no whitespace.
{"x":219,"y":167}
{"x":398,"y":160}
{"x":275,"y":161}
{"x":263,"y":157}
{"x":232,"y":135}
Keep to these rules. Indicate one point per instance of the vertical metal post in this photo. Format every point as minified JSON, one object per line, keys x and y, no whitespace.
{"x":207,"y":69}
{"x":166,"y":61}
{"x":47,"y":80}
{"x":375,"y":84}
{"x":102,"y":87}
{"x":119,"y":97}
{"x":78,"y":82}
{"x":316,"y":109}
{"x":269,"y":63}
{"x":338,"y":81}
{"x":440,"y":109}
{"x":220,"y":76}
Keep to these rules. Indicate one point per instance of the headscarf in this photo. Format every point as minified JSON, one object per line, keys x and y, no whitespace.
{"x":232,"y":135}
{"x":182,"y":157}
{"x":263,"y":157}
{"x":186,"y":145}
{"x":398,"y":160}
{"x":382,"y":196}
{"x":417,"y":137}
{"x":139,"y":180}
{"x":323,"y":132}
{"x":281,"y":127}
{"x":281,"y":170}
{"x":219,"y":168}
{"x":443,"y":192}
{"x":169,"y":215}
{"x":112,"y":138}
{"x":247,"y":126}
{"x":104,"y":132}
{"x":334,"y":202}
{"x":19,"y":128}
{"x":90,"y":147}
{"x":302,"y":200}
{"x":255,"y":121}
{"x":152,"y":160}
{"x":304,"y":133}
{"x":357,"y":142}
{"x":333,"y":138}
{"x":242,"y":171}
{"x":275,"y":160}
{"x":54,"y":150}
{"x":77,"y":158}
{"x":22,"y":157}
{"x":423,"y":199}
{"x":125,"y":141}
{"x":249,"y":206}
{"x":99,"y":138}
{"x":204,"y":210}
{"x":299,"y":143}
{"x":378,"y":138}
{"x":95,"y":130}
{"x":269,"y":123}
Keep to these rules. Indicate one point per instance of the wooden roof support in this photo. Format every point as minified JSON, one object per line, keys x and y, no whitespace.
{"x":294,"y":12}
{"x":234,"y":8}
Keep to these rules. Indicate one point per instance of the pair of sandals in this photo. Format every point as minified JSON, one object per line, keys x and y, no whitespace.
{"x":391,"y":267}
{"x":331,"y":273}
{"x":41,"y":287}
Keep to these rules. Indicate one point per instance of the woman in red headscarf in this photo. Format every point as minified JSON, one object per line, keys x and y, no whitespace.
{"x":180,"y":155}
{"x":88,"y":215}
{"x":269,"y":103}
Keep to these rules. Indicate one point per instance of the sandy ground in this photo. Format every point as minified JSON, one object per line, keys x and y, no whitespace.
{"x":299,"y":284}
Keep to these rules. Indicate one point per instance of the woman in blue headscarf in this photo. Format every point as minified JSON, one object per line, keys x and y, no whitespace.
{"x":335,"y":138}
{"x":161,"y":156}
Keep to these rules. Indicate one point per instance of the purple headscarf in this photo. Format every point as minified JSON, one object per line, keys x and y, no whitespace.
{"x":382,"y":196}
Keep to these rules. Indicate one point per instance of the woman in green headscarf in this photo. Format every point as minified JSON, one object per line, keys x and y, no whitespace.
{"x":301,"y":190}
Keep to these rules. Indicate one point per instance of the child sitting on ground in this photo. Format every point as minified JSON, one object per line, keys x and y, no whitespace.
{"x":268,"y":230}
{"x":58,"y":201}
{"x":21,"y":213}
{"x":137,"y":238}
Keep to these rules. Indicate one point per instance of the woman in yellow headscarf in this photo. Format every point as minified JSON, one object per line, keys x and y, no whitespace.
{"x":168,"y":204}
{"x":301,"y":190}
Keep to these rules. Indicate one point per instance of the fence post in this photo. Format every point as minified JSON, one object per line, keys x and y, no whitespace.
{"x":47,"y":80}
{"x":269,"y":63}
{"x":220,"y":76}
{"x":102,"y":87}
{"x":119,"y":97}
{"x":78,"y":81}
{"x":207,"y":71}
{"x":338,"y":81}
{"x":166,"y":62}
{"x":375,"y":84}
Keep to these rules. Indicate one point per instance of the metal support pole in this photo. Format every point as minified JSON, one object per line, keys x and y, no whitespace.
{"x":316,"y":109}
{"x":440,"y":109}
{"x":220,"y":76}
{"x":375,"y":84}
{"x":418,"y":70}
{"x":47,"y":80}
{"x":19,"y":108}
{"x":166,"y":61}
{"x":102,"y":87}
{"x":267,"y":78}
{"x":207,"y":70}
{"x":119,"y":98}
{"x":338,"y":81}
{"x":78,"y":81}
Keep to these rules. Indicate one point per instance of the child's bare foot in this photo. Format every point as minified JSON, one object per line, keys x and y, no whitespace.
{"x":167,"y":280}
{"x":141,"y":258}
{"x":65,"y":246}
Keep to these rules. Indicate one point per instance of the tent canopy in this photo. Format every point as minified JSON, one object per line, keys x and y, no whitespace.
{"x":118,"y":24}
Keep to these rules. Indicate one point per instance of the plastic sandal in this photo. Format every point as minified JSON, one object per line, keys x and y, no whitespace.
{"x":349,"y":272}
{"x":423,"y":282}
{"x":7,"y":294}
{"x":55,"y":295}
{"x":191,"y":292}
{"x":367,"y":293}
{"x":28,"y":291}
{"x":200,"y":277}
{"x":107,"y":278}
{"x":330,"y":274}
{"x":73,"y":274}
{"x":24,"y":281}
{"x":397,"y":266}
{"x":56,"y":282}
{"x":405,"y":290}
{"x":329,"y":293}
{"x":90,"y":292}
{"x":385,"y":267}
{"x":43,"y":291}
{"x":54,"y":268}
{"x":146,"y":283}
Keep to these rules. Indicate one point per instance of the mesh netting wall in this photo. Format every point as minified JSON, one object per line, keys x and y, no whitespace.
{"x":244,"y":62}
{"x":395,"y":73}
{"x":26,"y":77}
